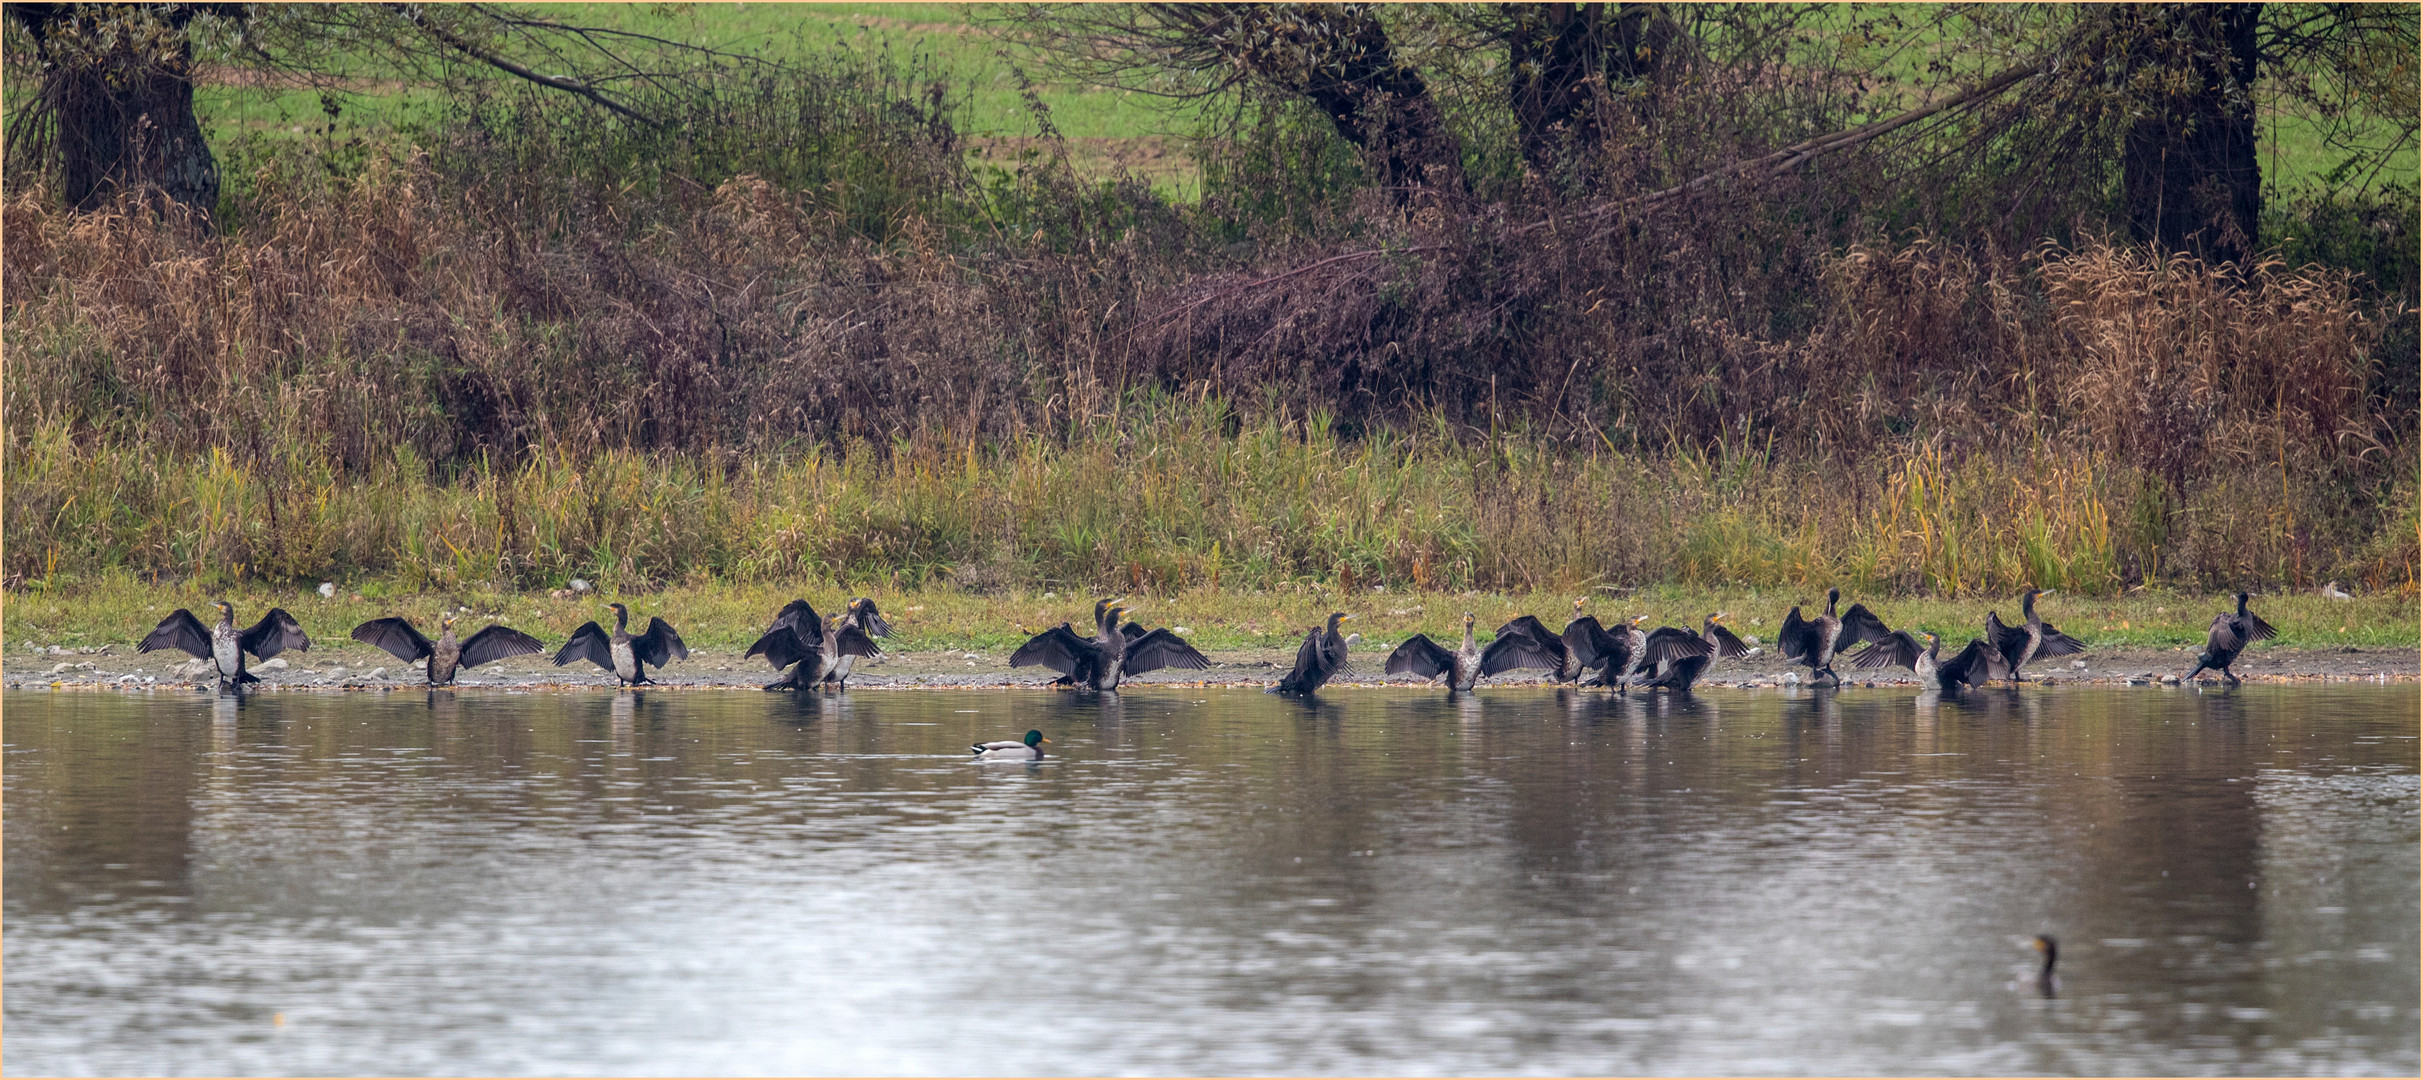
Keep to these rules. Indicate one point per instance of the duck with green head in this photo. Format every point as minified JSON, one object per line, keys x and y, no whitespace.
{"x":1029,"y":748}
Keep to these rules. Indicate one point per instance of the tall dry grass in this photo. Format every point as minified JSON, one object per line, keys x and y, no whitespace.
{"x":472,"y":363}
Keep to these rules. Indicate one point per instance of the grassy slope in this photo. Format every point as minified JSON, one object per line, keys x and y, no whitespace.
{"x":120,"y":611}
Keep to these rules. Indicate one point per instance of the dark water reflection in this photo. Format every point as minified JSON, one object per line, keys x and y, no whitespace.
{"x":1212,"y":882}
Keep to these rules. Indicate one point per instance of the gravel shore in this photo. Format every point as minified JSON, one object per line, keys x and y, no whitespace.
{"x":357,"y":667}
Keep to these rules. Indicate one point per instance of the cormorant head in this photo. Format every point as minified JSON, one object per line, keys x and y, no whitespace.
{"x":225,"y":608}
{"x":2051,"y":949}
{"x":2242,"y":595}
{"x":1639,"y":619}
{"x":1832,"y":595}
{"x":1717,"y":618}
{"x":446,"y":621}
{"x":1578,"y":602}
{"x":622,"y":614}
{"x":1932,"y":640}
{"x":1034,"y":737}
{"x":1335,"y":618}
{"x":1468,"y":620}
{"x":1101,"y":606}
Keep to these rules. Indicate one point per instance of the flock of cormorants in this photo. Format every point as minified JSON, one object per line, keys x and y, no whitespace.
{"x":820,"y":650}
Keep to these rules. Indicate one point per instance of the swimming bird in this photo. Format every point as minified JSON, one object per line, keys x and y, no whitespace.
{"x":2229,"y":636}
{"x":863,"y":618}
{"x":223,"y":644}
{"x":2043,"y":981}
{"x":1816,"y":641}
{"x":811,"y":645}
{"x":1026,"y":749}
{"x":628,"y":657}
{"x":2030,"y":639}
{"x":1322,"y":655}
{"x":400,"y":639}
{"x":1469,"y":662}
{"x":1113,"y":653}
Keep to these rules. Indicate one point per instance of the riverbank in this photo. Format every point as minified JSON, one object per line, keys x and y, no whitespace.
{"x":947,"y":637}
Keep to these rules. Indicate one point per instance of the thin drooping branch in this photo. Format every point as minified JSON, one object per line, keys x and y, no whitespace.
{"x":1766,"y":167}
{"x":411,"y":13}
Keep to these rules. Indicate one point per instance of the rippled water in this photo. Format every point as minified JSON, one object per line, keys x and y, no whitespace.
{"x":1211,"y":882}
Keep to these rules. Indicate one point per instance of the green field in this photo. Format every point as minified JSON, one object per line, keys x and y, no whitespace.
{"x":1108,"y":131}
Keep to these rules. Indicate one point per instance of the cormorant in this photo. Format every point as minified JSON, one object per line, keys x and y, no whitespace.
{"x":1634,"y":652}
{"x":1465,"y":666}
{"x":223,"y":644}
{"x":627,"y":656}
{"x":2031,"y":639}
{"x":1322,"y":655}
{"x":400,"y":639}
{"x":799,"y":636}
{"x":863,"y":618}
{"x":1816,"y":641}
{"x":2229,"y":637}
{"x":1113,"y":653}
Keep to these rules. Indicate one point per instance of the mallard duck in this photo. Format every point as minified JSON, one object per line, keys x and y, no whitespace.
{"x":2030,"y":639}
{"x":1322,"y":656}
{"x":400,"y":639}
{"x":628,"y":657}
{"x":1026,"y":749}
{"x":223,"y":644}
{"x":1469,"y":662}
{"x":1816,"y":641}
{"x":1113,"y":653}
{"x":2229,"y":636}
{"x":812,"y":646}
{"x":863,"y":618}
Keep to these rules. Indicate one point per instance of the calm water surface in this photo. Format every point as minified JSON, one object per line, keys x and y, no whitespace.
{"x":1211,"y":882}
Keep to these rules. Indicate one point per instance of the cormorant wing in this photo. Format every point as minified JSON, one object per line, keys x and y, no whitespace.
{"x":1860,"y":624}
{"x":796,"y":632}
{"x":1310,"y":664}
{"x":274,"y":634}
{"x":2007,"y":640}
{"x":2056,"y":643}
{"x":1422,"y":657}
{"x":1511,"y":651}
{"x":854,"y":641}
{"x":800,"y":618}
{"x":1132,"y":631}
{"x":1975,"y":664}
{"x":1530,"y":626}
{"x":397,"y":637}
{"x":1585,"y":640}
{"x":1798,"y":637}
{"x":871,"y":621}
{"x":1727,"y":645}
{"x":1161,"y":649}
{"x":2224,"y":636}
{"x":659,"y":645}
{"x":588,"y":643}
{"x":1058,"y":648}
{"x":179,"y":631}
{"x":1898,"y":649}
{"x":1672,"y":643}
{"x":495,"y":643}
{"x":2258,"y":629}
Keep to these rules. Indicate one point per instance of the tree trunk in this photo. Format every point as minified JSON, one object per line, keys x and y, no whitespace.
{"x":1563,"y":55}
{"x":2189,"y":173}
{"x":115,"y":116}
{"x":1378,"y":102}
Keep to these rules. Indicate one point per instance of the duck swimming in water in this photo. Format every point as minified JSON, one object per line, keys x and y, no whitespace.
{"x":629,"y":657}
{"x":1026,"y":749}
{"x":223,"y":645}
{"x":400,"y":639}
